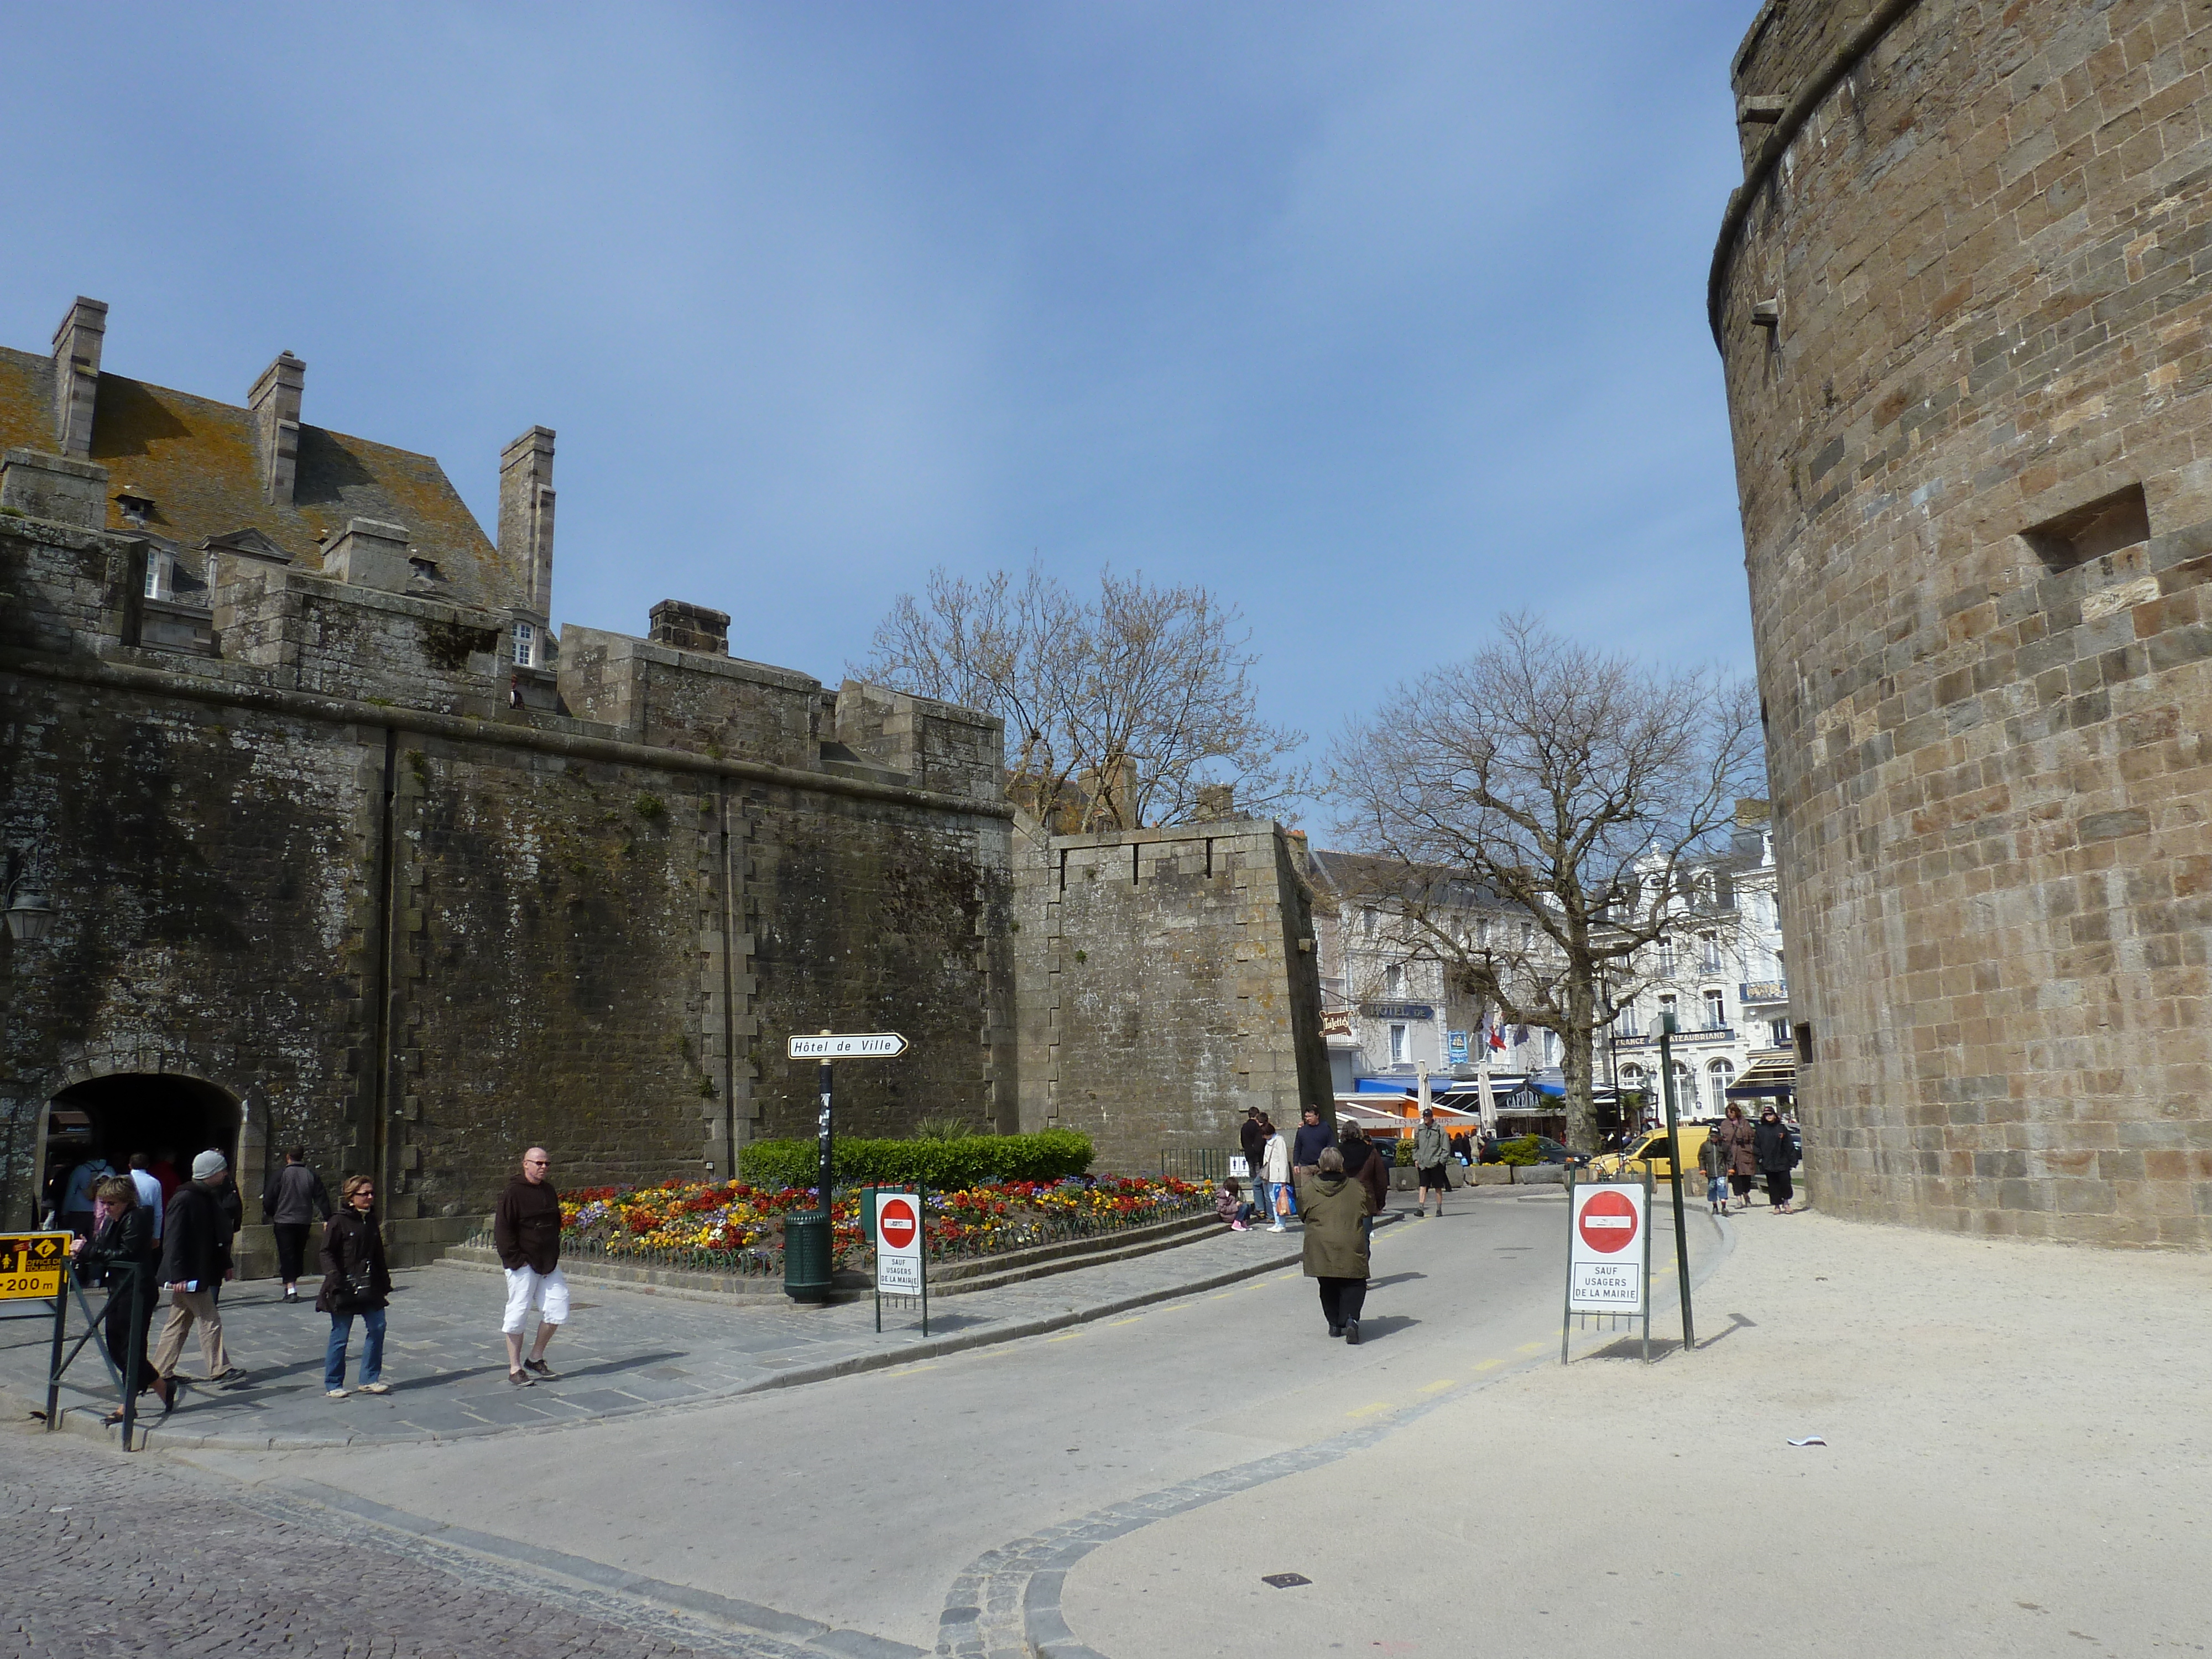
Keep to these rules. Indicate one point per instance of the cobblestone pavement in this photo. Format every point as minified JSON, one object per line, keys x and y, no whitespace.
{"x":115,"y":1554}
{"x":623,"y":1351}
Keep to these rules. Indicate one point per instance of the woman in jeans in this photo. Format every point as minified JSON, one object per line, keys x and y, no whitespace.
{"x":355,"y":1282}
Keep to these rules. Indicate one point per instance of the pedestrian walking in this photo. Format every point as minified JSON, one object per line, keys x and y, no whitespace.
{"x":77,"y":1199}
{"x":1332,"y":1206}
{"x":119,"y":1254}
{"x":1276,"y":1161}
{"x":525,"y":1225}
{"x":1252,"y":1140}
{"x":290,"y":1204}
{"x":194,"y":1259}
{"x":1432,"y":1151}
{"x":1712,"y":1164}
{"x":1777,"y":1155}
{"x":1739,"y":1146}
{"x":149,"y":1193}
{"x":356,"y":1284}
{"x":1364,"y":1162}
{"x":1314,"y":1137}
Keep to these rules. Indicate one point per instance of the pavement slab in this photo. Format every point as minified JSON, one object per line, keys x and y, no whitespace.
{"x":624,"y":1349}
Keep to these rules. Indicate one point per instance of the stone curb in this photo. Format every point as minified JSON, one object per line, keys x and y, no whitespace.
{"x":84,"y":1421}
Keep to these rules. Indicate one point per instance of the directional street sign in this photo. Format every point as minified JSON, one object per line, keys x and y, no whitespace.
{"x":31,"y":1265}
{"x":873,"y":1045}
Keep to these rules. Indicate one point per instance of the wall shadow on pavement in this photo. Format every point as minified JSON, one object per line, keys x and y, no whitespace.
{"x":1395,"y":1278}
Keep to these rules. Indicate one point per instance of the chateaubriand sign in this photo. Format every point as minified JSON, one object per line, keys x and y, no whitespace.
{"x":871,"y":1045}
{"x":31,"y":1266}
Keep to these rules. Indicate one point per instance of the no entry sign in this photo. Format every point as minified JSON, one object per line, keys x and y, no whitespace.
{"x":1607,"y":1247}
{"x":898,"y":1244}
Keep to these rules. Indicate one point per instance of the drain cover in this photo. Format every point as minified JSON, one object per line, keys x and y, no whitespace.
{"x":1285,"y":1580}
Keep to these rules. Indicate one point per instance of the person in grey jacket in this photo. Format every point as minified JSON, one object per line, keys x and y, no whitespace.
{"x":1431,"y":1152}
{"x":290,"y":1204}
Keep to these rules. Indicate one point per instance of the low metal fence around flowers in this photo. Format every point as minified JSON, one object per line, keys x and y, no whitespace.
{"x":731,"y":1228}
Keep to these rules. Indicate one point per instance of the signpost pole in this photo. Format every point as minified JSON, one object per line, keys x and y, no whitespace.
{"x":1567,"y":1303}
{"x":922,"y":1243}
{"x":1675,"y":1179}
{"x":822,"y":1148}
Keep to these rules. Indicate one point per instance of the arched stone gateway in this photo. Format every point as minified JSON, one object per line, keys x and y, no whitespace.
{"x":1966,"y":311}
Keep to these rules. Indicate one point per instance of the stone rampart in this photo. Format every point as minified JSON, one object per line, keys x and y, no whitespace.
{"x":1168,"y":982}
{"x":1964,"y":302}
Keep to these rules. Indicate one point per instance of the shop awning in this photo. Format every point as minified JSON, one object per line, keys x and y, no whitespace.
{"x":1775,"y":1075}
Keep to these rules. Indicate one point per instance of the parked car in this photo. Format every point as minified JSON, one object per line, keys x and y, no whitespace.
{"x":1650,"y":1153}
{"x":1548,"y":1150}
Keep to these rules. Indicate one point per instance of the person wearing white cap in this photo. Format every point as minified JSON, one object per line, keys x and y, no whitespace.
{"x":194,"y":1259}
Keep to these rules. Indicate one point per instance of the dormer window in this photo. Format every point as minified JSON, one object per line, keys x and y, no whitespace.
{"x":425,"y":567}
{"x":161,"y":580}
{"x":135,"y":507}
{"x":525,"y":644}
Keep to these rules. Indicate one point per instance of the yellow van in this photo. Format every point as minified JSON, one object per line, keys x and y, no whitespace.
{"x":1650,"y":1153}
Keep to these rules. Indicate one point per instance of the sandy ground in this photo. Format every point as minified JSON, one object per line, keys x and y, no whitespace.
{"x":2018,"y":1443}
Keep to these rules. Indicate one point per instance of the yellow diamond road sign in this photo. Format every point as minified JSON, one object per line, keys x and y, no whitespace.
{"x":31,"y":1265}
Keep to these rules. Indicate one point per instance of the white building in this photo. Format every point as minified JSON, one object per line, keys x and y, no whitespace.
{"x":1720,"y":969}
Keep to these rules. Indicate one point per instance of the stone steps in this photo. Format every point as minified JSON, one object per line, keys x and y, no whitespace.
{"x":955,"y":1278}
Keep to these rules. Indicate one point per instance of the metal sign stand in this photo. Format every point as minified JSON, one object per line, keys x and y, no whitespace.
{"x":809,"y":1241}
{"x":920,"y":1192}
{"x":67,"y":1285}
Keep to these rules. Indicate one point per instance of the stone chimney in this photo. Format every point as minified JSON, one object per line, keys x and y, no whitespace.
{"x":525,"y":517}
{"x":77,"y":375}
{"x":692,"y":627}
{"x":1214,"y":802}
{"x":369,"y":555}
{"x":275,"y":402}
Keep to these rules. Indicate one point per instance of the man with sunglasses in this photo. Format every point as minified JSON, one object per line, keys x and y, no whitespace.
{"x":525,"y":1226}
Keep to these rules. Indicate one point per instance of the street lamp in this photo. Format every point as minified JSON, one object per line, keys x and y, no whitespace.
{"x":30,"y":918}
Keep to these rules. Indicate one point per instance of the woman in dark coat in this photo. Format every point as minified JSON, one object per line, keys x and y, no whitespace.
{"x":355,"y":1283}
{"x":1334,"y":1205}
{"x":1364,"y":1162}
{"x":1738,"y":1145}
{"x":1778,"y":1156}
{"x":122,"y":1239}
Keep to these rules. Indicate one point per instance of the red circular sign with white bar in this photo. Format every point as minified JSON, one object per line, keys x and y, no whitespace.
{"x":897,"y":1222}
{"x":1608,"y":1223}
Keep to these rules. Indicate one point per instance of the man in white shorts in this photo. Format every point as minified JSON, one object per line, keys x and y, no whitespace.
{"x":525,"y":1226}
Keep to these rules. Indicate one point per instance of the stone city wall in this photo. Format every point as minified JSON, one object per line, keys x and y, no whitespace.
{"x":1168,"y":982}
{"x":330,"y":870}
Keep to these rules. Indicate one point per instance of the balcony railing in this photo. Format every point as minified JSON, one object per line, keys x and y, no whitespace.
{"x":1764,"y":990}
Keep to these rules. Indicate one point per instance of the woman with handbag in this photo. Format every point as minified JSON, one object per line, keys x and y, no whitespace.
{"x":1276,"y":1158}
{"x":355,"y":1282}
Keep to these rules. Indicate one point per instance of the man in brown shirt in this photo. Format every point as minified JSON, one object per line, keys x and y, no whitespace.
{"x":525,"y":1226}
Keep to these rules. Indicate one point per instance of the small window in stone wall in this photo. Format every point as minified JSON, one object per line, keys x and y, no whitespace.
{"x":2092,"y":530}
{"x":525,"y":646}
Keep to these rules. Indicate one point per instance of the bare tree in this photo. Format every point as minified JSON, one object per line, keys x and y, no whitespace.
{"x":1576,"y":787}
{"x":1119,"y":710}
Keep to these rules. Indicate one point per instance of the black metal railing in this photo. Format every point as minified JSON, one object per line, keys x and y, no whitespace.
{"x":1195,"y":1164}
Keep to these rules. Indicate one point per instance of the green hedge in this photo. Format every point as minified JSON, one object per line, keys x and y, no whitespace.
{"x":947,"y":1165}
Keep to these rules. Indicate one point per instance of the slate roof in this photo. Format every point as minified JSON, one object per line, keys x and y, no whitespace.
{"x":195,"y":459}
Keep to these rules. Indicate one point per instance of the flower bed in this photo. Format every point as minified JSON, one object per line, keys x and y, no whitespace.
{"x":731,"y":1228}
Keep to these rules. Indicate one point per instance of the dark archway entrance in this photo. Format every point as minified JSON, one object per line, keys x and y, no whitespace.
{"x":153,"y":1113}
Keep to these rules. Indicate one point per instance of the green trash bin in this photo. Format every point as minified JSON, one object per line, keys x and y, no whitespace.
{"x":806,"y":1257}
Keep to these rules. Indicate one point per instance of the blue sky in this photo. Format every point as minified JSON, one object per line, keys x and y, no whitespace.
{"x":1377,"y":319}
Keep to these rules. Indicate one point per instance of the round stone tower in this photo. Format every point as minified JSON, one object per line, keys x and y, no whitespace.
{"x":1964,"y":302}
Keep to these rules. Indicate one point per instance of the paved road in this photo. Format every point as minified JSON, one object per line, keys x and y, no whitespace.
{"x":921,"y":1506}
